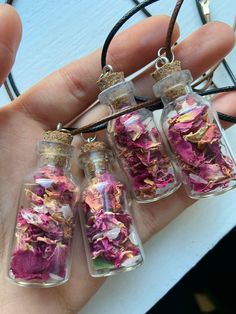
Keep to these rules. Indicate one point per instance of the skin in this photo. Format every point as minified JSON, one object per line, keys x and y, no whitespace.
{"x":66,"y":93}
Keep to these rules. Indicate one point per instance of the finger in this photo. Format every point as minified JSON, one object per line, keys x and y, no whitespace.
{"x":70,"y":90}
{"x":215,"y":40}
{"x":226,"y":103}
{"x":155,"y":216}
{"x":10,"y":36}
{"x":199,"y":52}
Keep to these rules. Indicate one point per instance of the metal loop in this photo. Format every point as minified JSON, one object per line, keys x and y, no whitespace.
{"x":162,"y":61}
{"x":107,"y":68}
{"x":163,"y":50}
{"x":60,"y":128}
{"x":89,"y":139}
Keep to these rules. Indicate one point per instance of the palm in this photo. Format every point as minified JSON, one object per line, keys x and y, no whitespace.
{"x":59,"y":98}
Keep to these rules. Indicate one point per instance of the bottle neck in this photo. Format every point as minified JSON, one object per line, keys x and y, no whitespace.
{"x":118,"y":97}
{"x":121,"y":103}
{"x":95,"y":164}
{"x":54,"y":161}
{"x":95,"y":169}
{"x":53,"y":154}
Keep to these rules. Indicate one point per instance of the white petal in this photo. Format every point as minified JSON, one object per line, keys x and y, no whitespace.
{"x":131,"y":261}
{"x":133,"y":238}
{"x":66,"y":210}
{"x":46,"y":183}
{"x":55,"y":277}
{"x":113,"y":233}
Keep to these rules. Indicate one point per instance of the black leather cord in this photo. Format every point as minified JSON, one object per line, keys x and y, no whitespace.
{"x":10,"y":77}
{"x":13,"y":85}
{"x":148,"y":14}
{"x":144,"y":10}
{"x":224,"y":62}
{"x":119,"y":24}
{"x":158,"y":104}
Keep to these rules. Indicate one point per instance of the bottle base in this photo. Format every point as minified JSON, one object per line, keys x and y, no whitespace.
{"x":24,"y":283}
{"x":213,"y":193}
{"x":158,"y":197}
{"x":111,"y":272}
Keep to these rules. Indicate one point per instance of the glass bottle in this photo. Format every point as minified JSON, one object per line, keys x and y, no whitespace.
{"x":41,"y":249}
{"x":111,"y":241}
{"x":197,"y":141}
{"x":138,"y":146}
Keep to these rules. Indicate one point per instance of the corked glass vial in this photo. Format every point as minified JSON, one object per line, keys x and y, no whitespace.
{"x":197,"y":140}
{"x":111,"y":241}
{"x":40,"y":252}
{"x":137,"y":142}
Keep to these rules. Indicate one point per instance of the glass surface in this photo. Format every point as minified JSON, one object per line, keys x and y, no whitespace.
{"x":199,"y":146}
{"x":138,"y":146}
{"x":41,"y":249}
{"x":111,"y":242}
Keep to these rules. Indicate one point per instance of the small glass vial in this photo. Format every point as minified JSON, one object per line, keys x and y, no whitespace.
{"x":111,"y":241}
{"x":196,"y":138}
{"x":138,"y":146}
{"x":41,"y":249}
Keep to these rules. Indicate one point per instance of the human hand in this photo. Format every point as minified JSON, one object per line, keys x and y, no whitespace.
{"x":59,"y":98}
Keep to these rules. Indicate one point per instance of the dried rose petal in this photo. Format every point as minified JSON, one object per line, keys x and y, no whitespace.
{"x":197,"y":143}
{"x":139,"y":149}
{"x":44,"y":228}
{"x":108,"y":228}
{"x":93,"y":199}
{"x":29,"y":265}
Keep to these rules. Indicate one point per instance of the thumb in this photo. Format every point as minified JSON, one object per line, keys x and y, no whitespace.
{"x":10,"y":35}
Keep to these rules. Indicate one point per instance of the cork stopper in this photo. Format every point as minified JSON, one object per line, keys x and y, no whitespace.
{"x":58,"y":137}
{"x":109,"y":79}
{"x":172,"y":87}
{"x":93,"y":147}
{"x":166,"y":69}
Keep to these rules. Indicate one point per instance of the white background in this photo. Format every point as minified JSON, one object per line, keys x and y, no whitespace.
{"x":55,"y":33}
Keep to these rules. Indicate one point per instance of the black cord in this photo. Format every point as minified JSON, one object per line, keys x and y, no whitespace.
{"x":10,"y":77}
{"x":224,"y":62}
{"x":229,"y":71}
{"x":158,"y":105}
{"x":140,"y":6}
{"x":13,"y":85}
{"x":144,"y":10}
{"x":119,"y":24}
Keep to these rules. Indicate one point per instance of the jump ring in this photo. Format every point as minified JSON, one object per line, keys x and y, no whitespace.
{"x":162,"y":50}
{"x":89,"y":139}
{"x":162,"y":60}
{"x":60,"y":128}
{"x":107,"y":68}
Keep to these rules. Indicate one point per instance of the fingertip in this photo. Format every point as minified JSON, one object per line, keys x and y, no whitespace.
{"x":141,"y":43}
{"x":10,"y":36}
{"x":224,"y":32}
{"x":10,"y":17}
{"x":205,"y":47}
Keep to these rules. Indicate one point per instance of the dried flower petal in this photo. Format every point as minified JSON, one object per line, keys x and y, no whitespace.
{"x":108,"y":227}
{"x":29,"y":265}
{"x":197,"y":144}
{"x":140,"y":150}
{"x":44,"y":227}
